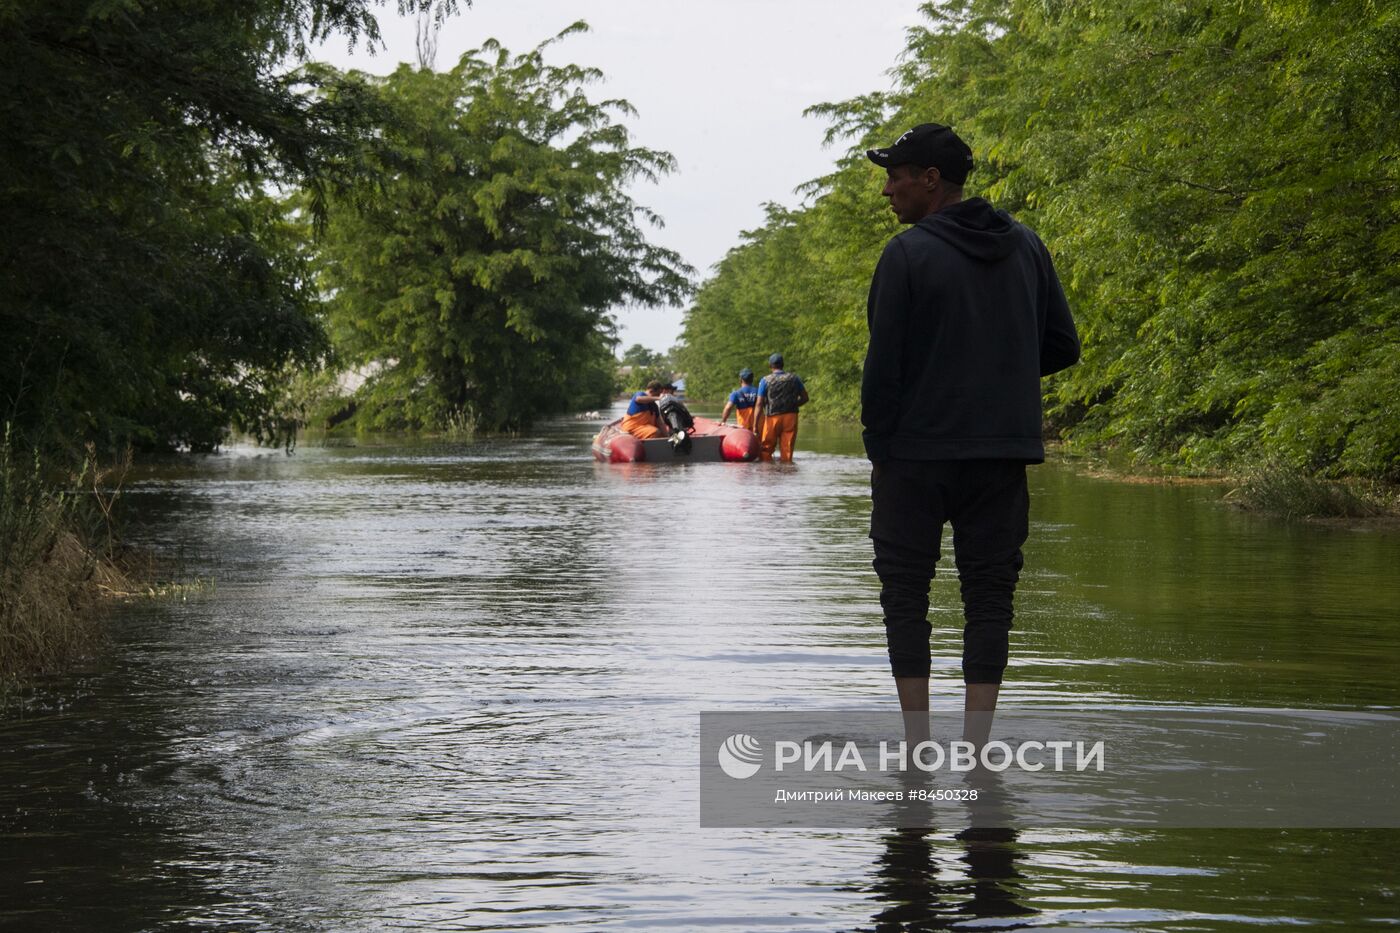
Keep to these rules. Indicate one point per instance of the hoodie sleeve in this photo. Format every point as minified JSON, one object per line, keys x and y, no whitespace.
{"x":887,"y":315}
{"x":1059,"y":342}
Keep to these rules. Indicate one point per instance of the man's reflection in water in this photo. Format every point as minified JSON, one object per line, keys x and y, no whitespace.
{"x":907,"y":876}
{"x":914,"y":898}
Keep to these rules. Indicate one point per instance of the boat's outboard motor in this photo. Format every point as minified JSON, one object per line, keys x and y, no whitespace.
{"x":678,"y":419}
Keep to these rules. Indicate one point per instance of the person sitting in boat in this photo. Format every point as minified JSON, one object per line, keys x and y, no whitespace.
{"x":742,"y":401}
{"x":643,"y":419}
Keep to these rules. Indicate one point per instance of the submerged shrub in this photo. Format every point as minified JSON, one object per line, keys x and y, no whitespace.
{"x":1286,"y":491}
{"x":46,"y":569}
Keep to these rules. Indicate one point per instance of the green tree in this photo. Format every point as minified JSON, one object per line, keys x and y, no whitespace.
{"x":476,"y":268}
{"x":646,"y":366}
{"x":150,"y":288}
{"x":641,"y":357}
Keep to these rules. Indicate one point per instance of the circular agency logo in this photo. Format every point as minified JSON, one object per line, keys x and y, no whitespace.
{"x":740,"y":756}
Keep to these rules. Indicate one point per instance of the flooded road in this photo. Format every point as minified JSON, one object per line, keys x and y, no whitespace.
{"x":456,"y":686}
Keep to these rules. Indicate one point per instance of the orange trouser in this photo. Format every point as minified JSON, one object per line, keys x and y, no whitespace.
{"x":642,"y":424}
{"x":744,"y":416}
{"x":779,"y":433}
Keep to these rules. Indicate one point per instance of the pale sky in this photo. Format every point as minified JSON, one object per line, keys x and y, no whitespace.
{"x":720,"y":84}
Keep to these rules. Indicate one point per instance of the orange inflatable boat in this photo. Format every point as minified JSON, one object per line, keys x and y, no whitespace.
{"x":709,"y":441}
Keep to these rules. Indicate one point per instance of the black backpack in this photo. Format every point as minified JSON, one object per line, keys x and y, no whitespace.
{"x":782,"y":393}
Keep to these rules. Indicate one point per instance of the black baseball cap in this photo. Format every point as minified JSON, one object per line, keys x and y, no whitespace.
{"x":928,"y":145}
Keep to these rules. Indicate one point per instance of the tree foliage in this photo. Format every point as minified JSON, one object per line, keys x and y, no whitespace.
{"x":474,"y":268}
{"x":1218,"y":182}
{"x":645,"y":366}
{"x":640,"y":356}
{"x":150,"y":287}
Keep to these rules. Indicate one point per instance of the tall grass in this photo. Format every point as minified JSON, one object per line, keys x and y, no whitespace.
{"x":55,"y":555}
{"x":1282,"y":490}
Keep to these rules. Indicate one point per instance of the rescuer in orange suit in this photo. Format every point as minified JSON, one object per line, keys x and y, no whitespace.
{"x":643,"y":419}
{"x":743,"y":401}
{"x":780,"y":394}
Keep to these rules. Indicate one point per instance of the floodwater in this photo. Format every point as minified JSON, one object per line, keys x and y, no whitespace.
{"x":456,"y":686}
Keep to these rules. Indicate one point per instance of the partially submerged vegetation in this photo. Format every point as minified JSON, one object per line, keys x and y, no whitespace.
{"x":60,"y":557}
{"x":50,"y":570}
{"x":1282,"y":490}
{"x":1273,"y":487}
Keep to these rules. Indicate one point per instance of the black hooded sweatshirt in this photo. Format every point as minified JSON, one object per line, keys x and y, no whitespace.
{"x":965,"y":316}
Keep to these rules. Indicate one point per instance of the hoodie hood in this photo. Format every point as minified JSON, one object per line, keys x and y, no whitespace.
{"x":975,"y":228}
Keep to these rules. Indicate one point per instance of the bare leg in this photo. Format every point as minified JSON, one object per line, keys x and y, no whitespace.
{"x":913,"y":701}
{"x":980,"y":698}
{"x":979,"y":704}
{"x":913,"y":693}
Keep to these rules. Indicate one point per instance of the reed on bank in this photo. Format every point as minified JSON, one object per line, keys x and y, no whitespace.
{"x":1291,"y":493}
{"x":58,"y":553}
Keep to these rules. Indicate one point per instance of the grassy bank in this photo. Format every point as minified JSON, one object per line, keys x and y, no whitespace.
{"x":59,"y":557}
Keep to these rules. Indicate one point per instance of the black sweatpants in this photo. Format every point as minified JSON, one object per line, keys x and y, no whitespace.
{"x":988,"y":505}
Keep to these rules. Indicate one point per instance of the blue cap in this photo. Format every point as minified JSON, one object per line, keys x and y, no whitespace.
{"x":746,"y":373}
{"x":775,"y":360}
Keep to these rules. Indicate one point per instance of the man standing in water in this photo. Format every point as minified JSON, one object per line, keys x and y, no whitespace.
{"x":965,"y":315}
{"x":743,"y":401}
{"x":780,"y":394}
